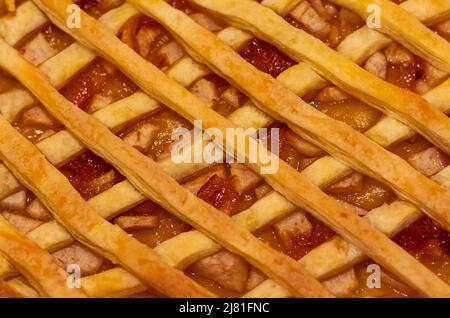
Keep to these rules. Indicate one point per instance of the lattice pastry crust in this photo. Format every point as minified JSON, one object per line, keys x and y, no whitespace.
{"x":186,"y":72}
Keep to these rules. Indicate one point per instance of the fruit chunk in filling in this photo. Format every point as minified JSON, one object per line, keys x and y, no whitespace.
{"x":222,"y":194}
{"x":98,"y":85}
{"x":183,"y":5}
{"x":5,"y":291}
{"x":422,"y":155}
{"x":36,"y":124}
{"x":296,"y":235}
{"x":216,"y":93}
{"x":151,"y":41}
{"x":266,"y":57}
{"x":152,"y":135}
{"x":429,"y":244}
{"x":297,"y":152}
{"x":400,"y":67}
{"x":228,"y":270}
{"x":443,"y":29}
{"x":91,"y":175}
{"x":97,"y":8}
{"x":164,"y":225}
{"x":353,"y":112}
{"x":76,"y":253}
{"x":369,"y":193}
{"x":39,"y":44}
{"x":155,"y":44}
{"x":325,"y":20}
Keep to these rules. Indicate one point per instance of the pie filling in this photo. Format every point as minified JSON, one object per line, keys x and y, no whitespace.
{"x":232,"y":188}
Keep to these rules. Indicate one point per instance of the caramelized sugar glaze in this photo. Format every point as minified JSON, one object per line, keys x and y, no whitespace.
{"x":232,"y":188}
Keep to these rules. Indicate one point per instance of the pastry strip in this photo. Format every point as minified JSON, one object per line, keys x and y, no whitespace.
{"x":21,"y":288}
{"x":423,"y":9}
{"x":14,"y":27}
{"x":37,"y":265}
{"x":282,"y":7}
{"x":332,"y":213}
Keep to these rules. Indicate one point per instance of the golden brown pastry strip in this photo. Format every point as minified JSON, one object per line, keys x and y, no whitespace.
{"x":21,"y":288}
{"x":398,"y":24}
{"x":424,"y":9}
{"x":281,"y":6}
{"x":335,"y":137}
{"x":14,"y":26}
{"x":145,"y":175}
{"x":286,"y":181}
{"x":36,"y":264}
{"x":70,"y":209}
